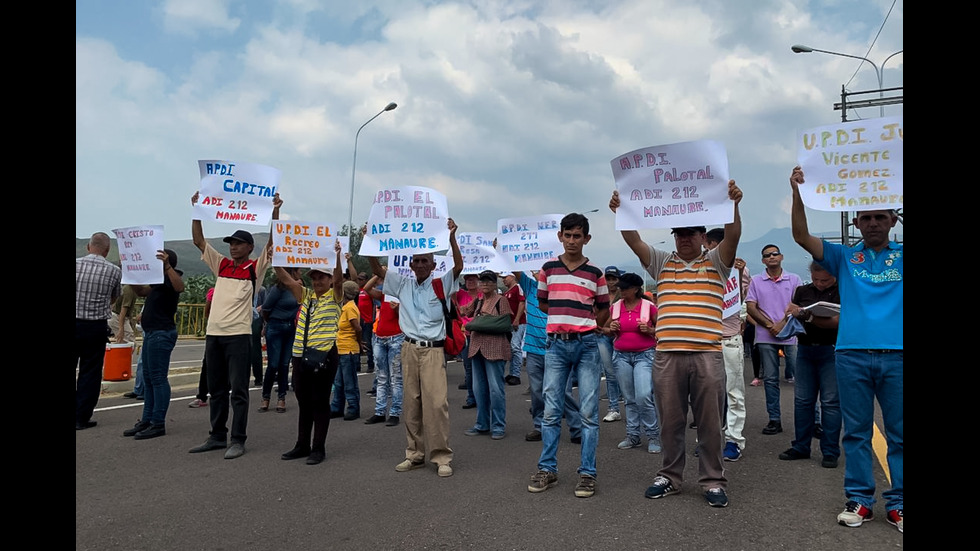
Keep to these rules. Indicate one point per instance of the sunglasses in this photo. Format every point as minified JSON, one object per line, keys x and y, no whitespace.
{"x":767,"y":255}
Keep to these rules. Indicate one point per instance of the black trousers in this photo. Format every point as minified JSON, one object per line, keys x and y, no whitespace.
{"x":312,"y":389}
{"x":91,"y":337}
{"x":227,"y":372}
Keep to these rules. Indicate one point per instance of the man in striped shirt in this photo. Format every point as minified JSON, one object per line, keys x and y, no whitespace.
{"x":573,"y":293}
{"x":689,"y":367}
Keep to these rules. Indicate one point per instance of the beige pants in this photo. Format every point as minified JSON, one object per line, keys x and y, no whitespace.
{"x":425,"y":405}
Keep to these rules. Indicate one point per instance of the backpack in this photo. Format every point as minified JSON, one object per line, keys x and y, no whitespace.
{"x":455,"y":339}
{"x":645,"y":309}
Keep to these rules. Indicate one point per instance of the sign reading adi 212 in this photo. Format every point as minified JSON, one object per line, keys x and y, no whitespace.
{"x":853,"y":166}
{"x":300,"y":244}
{"x":667,"y":186}
{"x":409,"y":219}
{"x":236,"y":193}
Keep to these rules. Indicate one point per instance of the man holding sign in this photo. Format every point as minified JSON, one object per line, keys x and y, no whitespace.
{"x":869,"y":353}
{"x":229,"y":332}
{"x":689,"y":365}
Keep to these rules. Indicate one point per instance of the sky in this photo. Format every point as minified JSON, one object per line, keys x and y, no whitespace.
{"x":509,"y":108}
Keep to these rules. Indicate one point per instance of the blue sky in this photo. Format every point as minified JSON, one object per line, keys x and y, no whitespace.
{"x":510,"y":108}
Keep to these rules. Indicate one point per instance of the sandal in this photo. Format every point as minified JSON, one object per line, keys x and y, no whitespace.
{"x":280,"y":406}
{"x":265,"y":405}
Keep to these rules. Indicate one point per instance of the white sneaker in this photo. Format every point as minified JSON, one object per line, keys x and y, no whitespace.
{"x":611,"y":416}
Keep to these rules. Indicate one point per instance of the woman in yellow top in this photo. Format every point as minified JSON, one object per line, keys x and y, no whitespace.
{"x":314,"y":356}
{"x":349,"y":348}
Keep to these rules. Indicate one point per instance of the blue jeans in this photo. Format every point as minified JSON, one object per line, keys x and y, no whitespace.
{"x":279,"y":337}
{"x":816,"y":373}
{"x":345,"y":385}
{"x":580,"y":356}
{"x":388,"y":374}
{"x":634,"y":371}
{"x":769,"y":353}
{"x":535,"y":375}
{"x":488,"y":388}
{"x":517,"y":350}
{"x":862,"y":376}
{"x":468,"y":373}
{"x":157,"y":347}
{"x":139,"y":388}
{"x":612,"y":385}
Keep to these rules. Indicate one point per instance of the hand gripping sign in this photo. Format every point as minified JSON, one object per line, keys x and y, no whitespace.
{"x":138,"y":246}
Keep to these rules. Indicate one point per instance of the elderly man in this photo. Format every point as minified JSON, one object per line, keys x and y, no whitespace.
{"x":869,"y":352}
{"x":97,"y":284}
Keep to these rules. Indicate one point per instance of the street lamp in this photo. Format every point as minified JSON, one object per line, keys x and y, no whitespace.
{"x":801,"y":49}
{"x":350,"y":219}
{"x":879,"y":73}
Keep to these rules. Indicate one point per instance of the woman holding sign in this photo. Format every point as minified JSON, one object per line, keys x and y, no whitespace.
{"x":489,"y":350}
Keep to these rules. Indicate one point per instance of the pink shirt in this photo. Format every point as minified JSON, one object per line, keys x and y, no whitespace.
{"x":630,"y":339}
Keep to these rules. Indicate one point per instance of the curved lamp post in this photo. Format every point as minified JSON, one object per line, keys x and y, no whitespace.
{"x":350,"y":219}
{"x":879,"y":73}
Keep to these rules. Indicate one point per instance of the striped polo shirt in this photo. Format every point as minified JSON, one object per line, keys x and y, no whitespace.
{"x":572,"y":296}
{"x":322,"y":314}
{"x":690,"y":300}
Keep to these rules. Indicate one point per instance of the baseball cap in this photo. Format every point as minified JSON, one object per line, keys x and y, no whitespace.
{"x":240,"y":235}
{"x":612,"y":270}
{"x":488,"y":275}
{"x":629,"y":280}
{"x":689,"y":229}
{"x":322,"y":270}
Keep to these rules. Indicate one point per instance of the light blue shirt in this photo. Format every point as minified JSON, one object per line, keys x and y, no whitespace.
{"x":420,"y":315}
{"x":535,"y":336}
{"x":872,"y":294}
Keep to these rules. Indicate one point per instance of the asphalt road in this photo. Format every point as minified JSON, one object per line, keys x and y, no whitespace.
{"x":152,"y":494}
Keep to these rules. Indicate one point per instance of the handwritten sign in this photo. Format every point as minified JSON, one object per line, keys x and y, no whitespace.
{"x":402,"y":263}
{"x":236,"y":193}
{"x":406,"y":220}
{"x":853,"y":165}
{"x":733,"y":295}
{"x":138,"y":246}
{"x":306,"y":244}
{"x":479,"y":254}
{"x":526,"y":243}
{"x":669,"y":186}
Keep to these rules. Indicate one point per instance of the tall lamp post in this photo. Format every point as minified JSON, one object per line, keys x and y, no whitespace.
{"x":350,"y":219}
{"x":879,"y":73}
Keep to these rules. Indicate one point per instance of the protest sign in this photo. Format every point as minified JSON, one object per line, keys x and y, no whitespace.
{"x":402,"y":264}
{"x":527,"y":243}
{"x":733,"y":295}
{"x":138,"y":246}
{"x":853,"y":165}
{"x":479,"y":254}
{"x":236,"y":193}
{"x":302,"y":244}
{"x":674,"y":185}
{"x":407,"y":219}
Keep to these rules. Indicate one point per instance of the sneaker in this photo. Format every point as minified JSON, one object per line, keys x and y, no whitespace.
{"x":198,"y":403}
{"x":408,"y":465}
{"x":351,"y":415}
{"x":236,"y":450}
{"x":541,"y":481}
{"x":756,"y":382}
{"x":829,"y":462}
{"x":611,"y":417}
{"x":895,"y":518}
{"x":716,"y":497}
{"x":732,"y":452}
{"x":469,"y":405}
{"x":654,"y":446}
{"x":854,"y":515}
{"x":392,"y":421}
{"x":774,"y":427}
{"x":793,"y":454}
{"x":630,"y":442}
{"x":512,"y":380}
{"x":533,"y":436}
{"x":445,"y":470}
{"x":473,"y":431}
{"x":585,"y":486}
{"x":497,"y":436}
{"x":372,"y":392}
{"x":374,"y":419}
{"x":139,"y":426}
{"x":661,"y":487}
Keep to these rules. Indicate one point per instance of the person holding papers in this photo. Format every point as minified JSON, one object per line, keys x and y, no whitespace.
{"x":815,"y":370}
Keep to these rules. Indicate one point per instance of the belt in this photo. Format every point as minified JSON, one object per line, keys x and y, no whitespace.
{"x":729,"y":338}
{"x":567,"y":336}
{"x":425,"y":344}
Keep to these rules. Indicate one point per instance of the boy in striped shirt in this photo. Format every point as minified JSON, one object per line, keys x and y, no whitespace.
{"x":572,"y":292}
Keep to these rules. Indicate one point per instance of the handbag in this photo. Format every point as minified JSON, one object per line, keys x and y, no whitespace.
{"x":491,"y":324}
{"x":312,"y":358}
